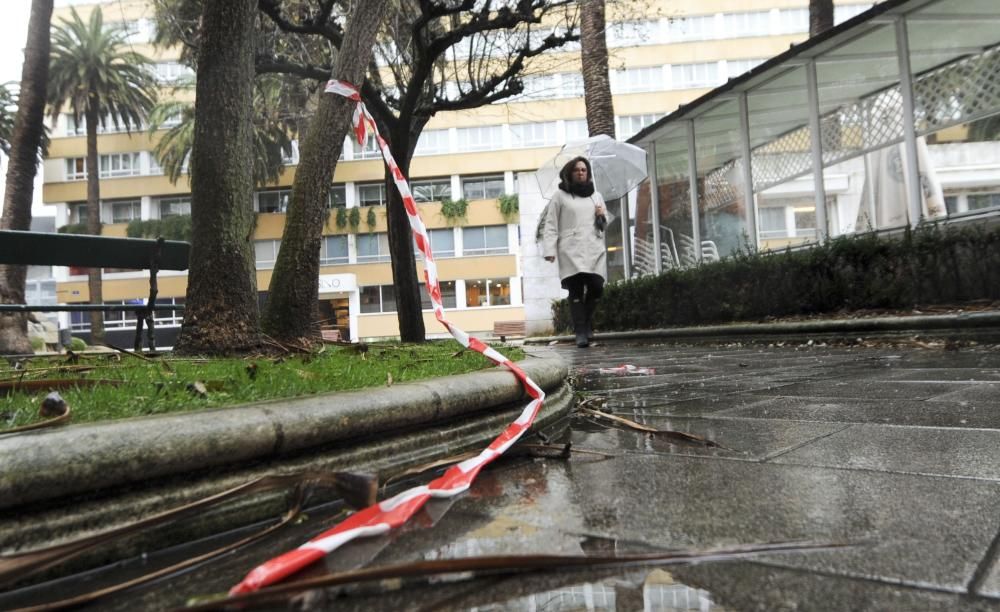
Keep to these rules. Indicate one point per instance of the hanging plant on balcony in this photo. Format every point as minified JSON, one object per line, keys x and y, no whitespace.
{"x":454,"y":211}
{"x":354,"y":218}
{"x":370,"y":218}
{"x":174,"y":227}
{"x":341,"y":219}
{"x":509,"y":207}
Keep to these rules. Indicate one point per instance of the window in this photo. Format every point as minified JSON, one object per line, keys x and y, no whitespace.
{"x":805,"y":222}
{"x":125,"y":211}
{"x":695,"y":75}
{"x":541,"y":134}
{"x":170,"y":207}
{"x":266,"y":252}
{"x":75,"y":126}
{"x":433,"y":190}
{"x":370,"y":149}
{"x":78,"y":212}
{"x":844,"y":12}
{"x":333,"y":250}
{"x":735,"y":68}
{"x":576,"y":129}
{"x":633,"y":33}
{"x":741,"y":25}
{"x":482,"y":187}
{"x":692,"y":27}
{"x":572,"y":84}
{"x":76,"y":169}
{"x":979,"y":201}
{"x":338,"y":196}
{"x":630,"y":125}
{"x":448,"y":299}
{"x":442,"y":242}
{"x":432,"y":142}
{"x":480,"y":138}
{"x":169,"y":317}
{"x":119,"y":164}
{"x":168,"y":72}
{"x":378,"y":298}
{"x":772,"y":222}
{"x":630,"y":80}
{"x":539,"y":87}
{"x":951,"y":204}
{"x":273,"y":201}
{"x":793,"y":21}
{"x":484,"y":240}
{"x":487,"y":292}
{"x":371,"y":194}
{"x":373,"y":247}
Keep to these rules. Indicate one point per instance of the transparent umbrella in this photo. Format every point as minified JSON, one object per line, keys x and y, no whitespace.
{"x":618,"y":167}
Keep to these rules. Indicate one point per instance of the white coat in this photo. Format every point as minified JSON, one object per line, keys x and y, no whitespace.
{"x":569,"y":234}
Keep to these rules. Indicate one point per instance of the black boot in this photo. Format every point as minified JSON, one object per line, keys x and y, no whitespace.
{"x":578,"y":312}
{"x":589,"y":307}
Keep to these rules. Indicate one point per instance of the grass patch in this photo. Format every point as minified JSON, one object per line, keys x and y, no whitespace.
{"x":170,"y":384}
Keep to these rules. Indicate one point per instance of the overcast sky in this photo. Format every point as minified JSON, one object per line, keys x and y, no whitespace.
{"x":13,"y":34}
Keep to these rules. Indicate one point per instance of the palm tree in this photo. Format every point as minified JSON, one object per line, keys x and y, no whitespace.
{"x":27,"y":133}
{"x":820,"y":16}
{"x":96,"y":74}
{"x":594,"y":57}
{"x":275,"y":125}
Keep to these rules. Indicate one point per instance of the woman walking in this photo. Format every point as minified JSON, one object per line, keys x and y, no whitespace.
{"x":574,"y":234}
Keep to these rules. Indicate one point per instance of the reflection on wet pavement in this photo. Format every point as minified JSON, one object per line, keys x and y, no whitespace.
{"x":892,"y":450}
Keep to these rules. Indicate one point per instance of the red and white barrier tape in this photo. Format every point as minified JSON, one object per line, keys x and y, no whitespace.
{"x":395,"y":511}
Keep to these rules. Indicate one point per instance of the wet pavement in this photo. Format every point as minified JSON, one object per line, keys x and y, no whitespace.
{"x":895,"y":450}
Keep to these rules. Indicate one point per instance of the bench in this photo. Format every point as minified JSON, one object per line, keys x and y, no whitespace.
{"x":86,"y":251}
{"x":508,"y":329}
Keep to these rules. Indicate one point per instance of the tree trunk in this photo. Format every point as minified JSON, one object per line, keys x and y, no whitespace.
{"x":594,"y":57}
{"x":292,"y":306}
{"x":94,"y":286}
{"x":221,"y":313}
{"x":820,"y":16}
{"x":409,"y":314}
{"x":22,"y":168}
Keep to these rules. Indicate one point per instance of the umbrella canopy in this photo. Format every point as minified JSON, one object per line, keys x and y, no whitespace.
{"x":618,"y":167}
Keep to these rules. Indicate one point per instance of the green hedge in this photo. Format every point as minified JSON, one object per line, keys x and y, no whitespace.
{"x":175,"y":227}
{"x":922,"y":267}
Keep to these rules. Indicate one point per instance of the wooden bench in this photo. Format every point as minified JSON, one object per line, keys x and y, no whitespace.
{"x":508,"y":329}
{"x":86,"y":251}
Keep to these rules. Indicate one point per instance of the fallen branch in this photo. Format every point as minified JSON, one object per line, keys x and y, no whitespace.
{"x":475,"y":567}
{"x":667,"y":433}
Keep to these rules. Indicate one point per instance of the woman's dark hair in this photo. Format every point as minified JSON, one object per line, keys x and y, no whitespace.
{"x":566,"y":178}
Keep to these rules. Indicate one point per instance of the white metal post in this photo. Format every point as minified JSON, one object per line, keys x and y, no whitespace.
{"x":654,"y":203}
{"x":626,"y":241}
{"x":913,"y":189}
{"x":748,"y":197}
{"x":816,"y":140}
{"x":693,"y":188}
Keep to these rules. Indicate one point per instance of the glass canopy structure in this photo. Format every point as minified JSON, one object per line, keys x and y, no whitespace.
{"x":825,"y":138}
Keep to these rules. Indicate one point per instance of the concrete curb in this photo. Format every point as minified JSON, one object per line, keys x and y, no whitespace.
{"x":61,"y":484}
{"x":985,"y":325}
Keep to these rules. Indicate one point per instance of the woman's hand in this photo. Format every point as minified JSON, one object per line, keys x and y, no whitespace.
{"x":599,"y":209}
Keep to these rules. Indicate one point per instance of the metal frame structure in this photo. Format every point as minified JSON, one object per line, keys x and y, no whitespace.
{"x":885,"y":77}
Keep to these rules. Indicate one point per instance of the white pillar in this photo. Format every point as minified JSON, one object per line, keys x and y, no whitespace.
{"x":748,"y":195}
{"x":693,"y":187}
{"x":654,"y":203}
{"x":913,"y":188}
{"x":816,"y":141}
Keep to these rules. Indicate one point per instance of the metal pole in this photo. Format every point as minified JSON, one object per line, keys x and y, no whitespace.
{"x":816,"y":140}
{"x":748,"y":198}
{"x":626,"y":242}
{"x":654,"y":202}
{"x":913,"y":189}
{"x":693,"y":188}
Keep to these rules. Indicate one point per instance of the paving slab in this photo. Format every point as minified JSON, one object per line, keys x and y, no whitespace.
{"x":973,"y":395}
{"x":913,"y":530}
{"x":930,"y":413}
{"x":868,"y":389}
{"x":756,"y":586}
{"x":965,"y":453}
{"x":745,"y":440}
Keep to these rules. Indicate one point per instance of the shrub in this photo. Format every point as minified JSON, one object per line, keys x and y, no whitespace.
{"x":454,"y":211}
{"x":509,"y":207}
{"x":37,"y":344}
{"x":175,"y":227}
{"x":77,"y":344}
{"x":930,"y":265}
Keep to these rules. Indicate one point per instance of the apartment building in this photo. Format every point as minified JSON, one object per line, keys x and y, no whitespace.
{"x":680,"y":51}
